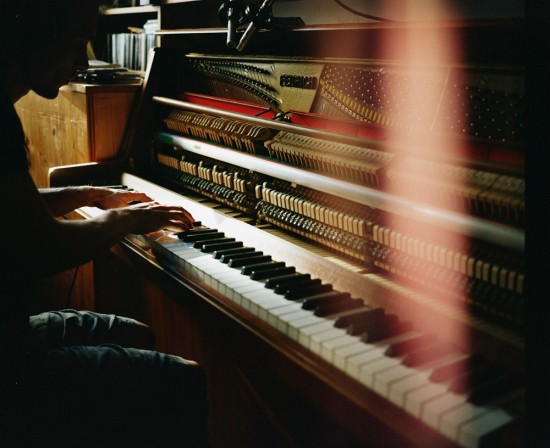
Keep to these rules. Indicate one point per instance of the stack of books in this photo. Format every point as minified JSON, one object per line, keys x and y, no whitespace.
{"x":131,"y":50}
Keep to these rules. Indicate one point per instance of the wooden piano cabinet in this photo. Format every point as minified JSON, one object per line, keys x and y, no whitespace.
{"x":72,"y":289}
{"x":85,"y":123}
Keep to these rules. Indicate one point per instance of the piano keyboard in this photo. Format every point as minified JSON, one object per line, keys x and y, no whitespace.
{"x":411,"y":369}
{"x":463,"y":397}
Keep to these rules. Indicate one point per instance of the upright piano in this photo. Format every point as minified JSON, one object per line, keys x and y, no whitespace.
{"x":357,"y":265}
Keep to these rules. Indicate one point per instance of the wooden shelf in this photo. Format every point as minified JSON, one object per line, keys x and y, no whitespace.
{"x":131,"y":10}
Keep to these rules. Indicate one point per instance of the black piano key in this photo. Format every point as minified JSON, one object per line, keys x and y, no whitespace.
{"x":321,"y":299}
{"x":257,"y":267}
{"x":275,"y":282}
{"x":214,"y":246}
{"x":227,"y":258}
{"x":197,"y":224}
{"x":239,"y":250}
{"x":392,"y":327}
{"x":301,"y":293}
{"x":195,"y":231}
{"x":474,"y":379}
{"x":426,"y":354}
{"x":402,"y":348}
{"x":269,"y":273}
{"x":214,"y":240}
{"x":456,"y":368}
{"x":377,"y":324}
{"x":191,"y":237}
{"x":375,"y":328}
{"x":493,"y":389}
{"x":367,"y":317}
{"x":240,"y":262}
{"x":338,"y":306}
{"x":291,"y":286}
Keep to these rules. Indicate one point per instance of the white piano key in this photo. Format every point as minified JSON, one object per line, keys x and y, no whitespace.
{"x":383,"y":380}
{"x":249,"y":288}
{"x":316,"y":340}
{"x":267,"y":306}
{"x":258,"y":301}
{"x":218,"y":280}
{"x":298,"y":326}
{"x":190,"y":257}
{"x":286,"y":321}
{"x":400,"y":389}
{"x":248,"y":294}
{"x":187,"y":253}
{"x":471,"y":433}
{"x":256,"y":307}
{"x":320,"y":327}
{"x":351,"y":352}
{"x":225,"y":282}
{"x":212,"y":266}
{"x":311,"y":319}
{"x":209,"y":269}
{"x":452,"y":421}
{"x":214,"y":270}
{"x":368,"y":371}
{"x":433,"y":411}
{"x":342,"y":354}
{"x":328,"y":347}
{"x":273,"y":316}
{"x":233,"y":287}
{"x":414,"y":401}
{"x":355,"y":362}
{"x":223,"y":279}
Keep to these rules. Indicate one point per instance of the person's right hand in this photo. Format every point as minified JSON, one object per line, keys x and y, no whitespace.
{"x":148,"y":217}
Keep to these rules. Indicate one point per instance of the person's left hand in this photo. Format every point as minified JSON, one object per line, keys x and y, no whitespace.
{"x":107,"y":198}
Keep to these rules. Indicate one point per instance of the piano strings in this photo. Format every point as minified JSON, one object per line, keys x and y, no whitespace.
{"x":489,"y":278}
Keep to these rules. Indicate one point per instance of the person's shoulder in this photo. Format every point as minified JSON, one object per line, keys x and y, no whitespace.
{"x":7,"y":109}
{"x":10,"y":122}
{"x":14,"y":153}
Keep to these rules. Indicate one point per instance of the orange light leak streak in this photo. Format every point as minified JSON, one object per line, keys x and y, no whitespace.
{"x":426,"y":53}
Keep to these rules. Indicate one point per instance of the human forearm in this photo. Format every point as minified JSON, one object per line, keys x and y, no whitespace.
{"x":61,"y":245}
{"x":55,"y":245}
{"x":61,"y":201}
{"x":64,"y":200}
{"x":41,"y":245}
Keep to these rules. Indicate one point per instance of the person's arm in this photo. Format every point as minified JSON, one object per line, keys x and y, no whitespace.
{"x":66,"y":199}
{"x":41,"y":244}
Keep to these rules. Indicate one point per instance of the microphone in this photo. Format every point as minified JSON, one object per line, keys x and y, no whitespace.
{"x":231,"y":12}
{"x":263,"y":13}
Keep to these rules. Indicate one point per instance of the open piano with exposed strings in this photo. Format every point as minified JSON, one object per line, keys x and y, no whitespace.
{"x":361,"y":228}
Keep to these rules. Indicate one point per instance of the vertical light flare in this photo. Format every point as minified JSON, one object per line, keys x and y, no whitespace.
{"x":425,"y":53}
